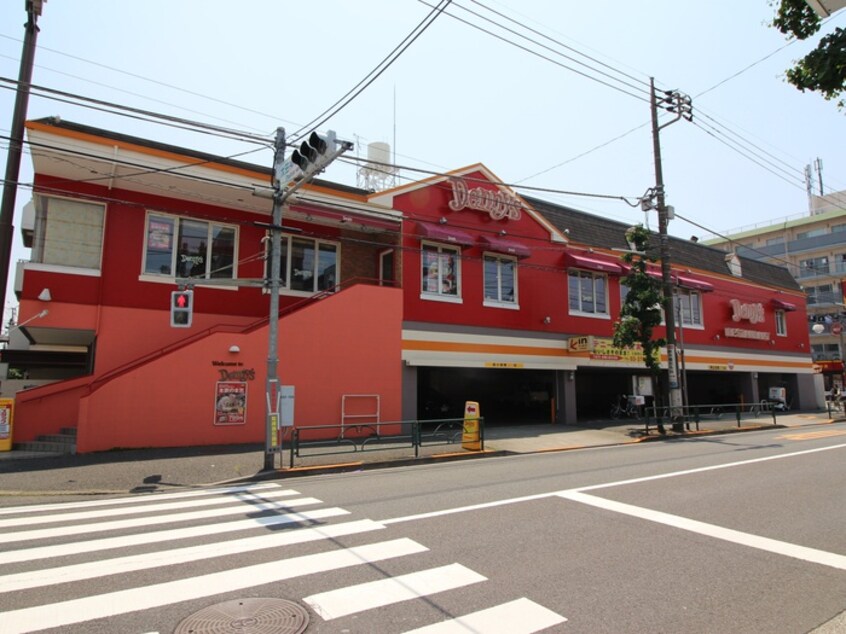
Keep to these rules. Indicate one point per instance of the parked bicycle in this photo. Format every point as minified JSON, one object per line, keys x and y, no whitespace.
{"x":624,"y":407}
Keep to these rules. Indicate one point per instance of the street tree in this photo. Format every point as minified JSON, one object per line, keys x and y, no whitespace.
{"x":823,"y":70}
{"x":641,"y":309}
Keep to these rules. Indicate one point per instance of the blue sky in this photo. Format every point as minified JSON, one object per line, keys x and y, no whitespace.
{"x":459,"y":96}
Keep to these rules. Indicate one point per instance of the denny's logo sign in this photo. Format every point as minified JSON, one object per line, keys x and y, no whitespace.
{"x":497,"y":204}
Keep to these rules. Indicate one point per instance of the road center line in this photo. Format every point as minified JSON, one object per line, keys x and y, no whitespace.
{"x":726,"y":534}
{"x":607,"y":485}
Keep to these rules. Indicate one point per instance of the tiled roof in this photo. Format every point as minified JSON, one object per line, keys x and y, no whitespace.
{"x":596,"y":231}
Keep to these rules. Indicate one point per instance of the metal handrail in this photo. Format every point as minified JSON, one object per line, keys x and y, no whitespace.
{"x":696,"y":414}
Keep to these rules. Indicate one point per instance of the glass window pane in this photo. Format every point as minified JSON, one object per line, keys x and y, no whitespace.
{"x":222,"y":252}
{"x":449,"y":269}
{"x":326,"y":267}
{"x":587,"y":293}
{"x":159,"y":257}
{"x":491,"y":281}
{"x":573,"y":289}
{"x":193,"y":246}
{"x":508,"y":281}
{"x":302,"y":265}
{"x":431,"y":277}
{"x":599,"y":293}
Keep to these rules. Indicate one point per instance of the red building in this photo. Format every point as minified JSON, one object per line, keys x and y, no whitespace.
{"x":396,"y":305}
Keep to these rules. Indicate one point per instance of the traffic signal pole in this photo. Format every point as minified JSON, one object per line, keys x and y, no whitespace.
{"x":272,"y":381}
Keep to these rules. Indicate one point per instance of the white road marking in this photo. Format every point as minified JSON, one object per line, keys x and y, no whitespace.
{"x":366,"y":596}
{"x":246,"y":497}
{"x":165,"y":536}
{"x":726,"y":534}
{"x":162,"y":558}
{"x":64,"y":613}
{"x":140,"y":497}
{"x":521,"y":616}
{"x":138,"y":522}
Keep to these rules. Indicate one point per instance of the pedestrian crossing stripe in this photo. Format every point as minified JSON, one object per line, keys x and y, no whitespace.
{"x":245,"y":497}
{"x":139,"y":522}
{"x":166,"y":536}
{"x":141,"y":497}
{"x":172,"y":557}
{"x":521,"y":616}
{"x":375,"y":594}
{"x":156,"y":595}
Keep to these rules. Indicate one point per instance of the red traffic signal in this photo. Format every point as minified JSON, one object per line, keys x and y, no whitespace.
{"x":181,"y":309}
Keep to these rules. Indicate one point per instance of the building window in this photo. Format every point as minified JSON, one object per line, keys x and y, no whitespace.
{"x":308,"y":265}
{"x":500,"y":280}
{"x":690,"y":307}
{"x":780,"y":323}
{"x":441,"y":272}
{"x":183,"y":247}
{"x":68,"y":233}
{"x":588,"y":292}
{"x":813,"y":266}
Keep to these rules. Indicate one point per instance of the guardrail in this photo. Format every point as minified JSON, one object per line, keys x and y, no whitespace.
{"x":699,"y":415}
{"x":326,"y":440}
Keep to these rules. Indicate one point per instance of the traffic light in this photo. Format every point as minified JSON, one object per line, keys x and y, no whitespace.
{"x":314,"y":153}
{"x":181,"y":308}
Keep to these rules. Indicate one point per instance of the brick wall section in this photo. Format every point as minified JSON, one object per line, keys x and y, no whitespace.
{"x":360,"y":254}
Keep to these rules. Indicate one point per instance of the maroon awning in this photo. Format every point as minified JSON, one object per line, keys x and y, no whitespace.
{"x":593,"y":262}
{"x":503,"y":245}
{"x":442,"y":233}
{"x":777,"y":303}
{"x":693,"y":283}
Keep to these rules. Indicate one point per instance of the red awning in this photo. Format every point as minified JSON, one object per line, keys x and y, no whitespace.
{"x":593,"y":262}
{"x":345,"y":217}
{"x":777,"y":303}
{"x":442,"y":233}
{"x":693,"y":284}
{"x":502,"y":245}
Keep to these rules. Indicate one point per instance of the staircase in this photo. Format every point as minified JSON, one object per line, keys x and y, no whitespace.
{"x":61,"y":443}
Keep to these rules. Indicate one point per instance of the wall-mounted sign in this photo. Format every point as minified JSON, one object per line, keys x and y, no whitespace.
{"x":753,"y":313}
{"x":498,"y":204}
{"x":741,"y":333}
{"x":502,"y":364}
{"x":230,"y":403}
{"x":580,"y":344}
{"x":602,"y":349}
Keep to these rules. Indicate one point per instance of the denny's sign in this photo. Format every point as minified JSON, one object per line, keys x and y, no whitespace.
{"x":496,"y":203}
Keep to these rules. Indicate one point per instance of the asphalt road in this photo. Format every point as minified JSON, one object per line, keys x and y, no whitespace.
{"x":736,"y":533}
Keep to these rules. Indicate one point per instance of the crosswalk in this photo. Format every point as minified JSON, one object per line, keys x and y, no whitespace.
{"x":106,"y":562}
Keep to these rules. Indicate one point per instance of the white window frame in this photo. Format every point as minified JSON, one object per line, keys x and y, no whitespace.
{"x":285,"y":283}
{"x":152,"y":276}
{"x":680,"y":294}
{"x":439,"y":295}
{"x":498,"y":302}
{"x":780,"y":323}
{"x":594,"y":275}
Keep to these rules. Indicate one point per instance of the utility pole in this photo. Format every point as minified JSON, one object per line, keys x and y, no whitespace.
{"x":13,"y":160}
{"x":309,"y":159}
{"x":675,"y":102}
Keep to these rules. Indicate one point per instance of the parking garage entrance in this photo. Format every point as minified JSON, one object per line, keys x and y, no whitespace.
{"x":505,"y":396}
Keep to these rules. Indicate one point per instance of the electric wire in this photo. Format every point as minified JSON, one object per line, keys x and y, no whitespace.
{"x":540,"y":55}
{"x":380,"y":68}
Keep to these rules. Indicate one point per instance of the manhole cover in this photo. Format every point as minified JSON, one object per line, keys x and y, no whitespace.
{"x":247,"y":616}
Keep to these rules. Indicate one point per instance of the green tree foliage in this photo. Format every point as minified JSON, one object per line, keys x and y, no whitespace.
{"x":822,"y":70}
{"x":641,"y":310}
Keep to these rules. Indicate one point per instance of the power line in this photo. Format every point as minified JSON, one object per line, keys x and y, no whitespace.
{"x":380,"y":68}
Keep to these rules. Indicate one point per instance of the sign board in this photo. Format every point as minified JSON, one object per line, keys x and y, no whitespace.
{"x":230,"y":403}
{"x":6,"y":416}
{"x":286,"y":406}
{"x":286,"y":172}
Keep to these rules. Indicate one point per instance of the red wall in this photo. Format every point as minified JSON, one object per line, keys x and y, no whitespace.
{"x":346,"y":344}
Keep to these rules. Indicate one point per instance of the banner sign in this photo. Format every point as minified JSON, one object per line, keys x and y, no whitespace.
{"x":230,"y":403}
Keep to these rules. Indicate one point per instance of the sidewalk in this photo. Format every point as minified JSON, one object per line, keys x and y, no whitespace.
{"x":24,"y":476}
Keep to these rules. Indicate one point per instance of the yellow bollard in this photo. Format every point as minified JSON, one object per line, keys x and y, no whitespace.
{"x":6,"y":417}
{"x":470,"y":438}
